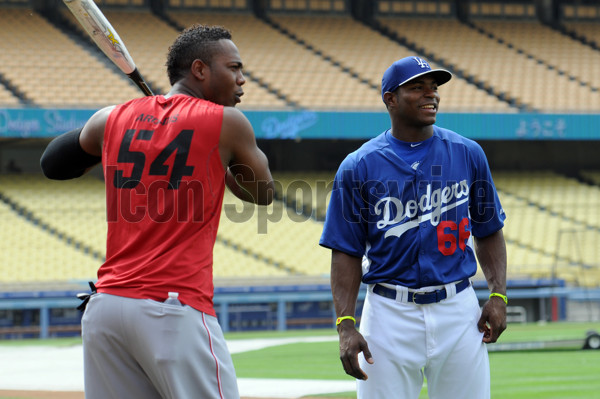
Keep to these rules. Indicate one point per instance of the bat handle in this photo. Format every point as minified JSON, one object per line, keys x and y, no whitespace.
{"x":139,"y":81}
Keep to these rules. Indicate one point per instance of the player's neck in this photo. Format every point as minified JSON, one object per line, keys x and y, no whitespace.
{"x":181,"y":87}
{"x":412,"y":134}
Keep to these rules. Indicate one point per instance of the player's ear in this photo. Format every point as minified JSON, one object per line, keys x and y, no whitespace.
{"x":389,"y":98}
{"x":199,"y":69}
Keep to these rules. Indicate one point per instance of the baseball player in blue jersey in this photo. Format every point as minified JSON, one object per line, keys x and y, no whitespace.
{"x":410,"y":214}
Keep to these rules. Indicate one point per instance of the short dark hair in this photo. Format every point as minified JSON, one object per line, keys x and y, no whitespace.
{"x":196,"y":42}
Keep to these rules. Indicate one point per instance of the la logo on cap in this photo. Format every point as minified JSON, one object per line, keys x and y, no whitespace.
{"x":422,"y":63}
{"x":407,"y":69}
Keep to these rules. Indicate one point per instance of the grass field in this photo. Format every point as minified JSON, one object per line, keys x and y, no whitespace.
{"x":556,"y":374}
{"x":550,"y":374}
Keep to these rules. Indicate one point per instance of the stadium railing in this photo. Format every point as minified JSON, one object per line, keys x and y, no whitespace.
{"x":279,"y":299}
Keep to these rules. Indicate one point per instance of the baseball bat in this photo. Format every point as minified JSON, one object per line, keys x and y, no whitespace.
{"x":107,"y":39}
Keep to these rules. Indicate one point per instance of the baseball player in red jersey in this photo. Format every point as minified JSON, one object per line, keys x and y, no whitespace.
{"x":410,"y":212}
{"x":166,"y":162}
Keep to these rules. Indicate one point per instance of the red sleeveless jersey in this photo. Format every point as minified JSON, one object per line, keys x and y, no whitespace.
{"x":164,"y":192}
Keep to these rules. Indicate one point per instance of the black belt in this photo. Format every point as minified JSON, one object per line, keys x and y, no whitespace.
{"x":421,"y":298}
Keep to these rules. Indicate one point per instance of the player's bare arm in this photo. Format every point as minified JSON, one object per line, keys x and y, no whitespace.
{"x":346,"y":273}
{"x":491,"y":253}
{"x":248,"y":175}
{"x":92,"y":135}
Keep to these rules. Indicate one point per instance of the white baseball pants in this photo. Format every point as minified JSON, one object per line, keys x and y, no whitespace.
{"x":440,"y":341}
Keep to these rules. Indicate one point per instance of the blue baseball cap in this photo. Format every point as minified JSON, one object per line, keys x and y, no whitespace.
{"x":408,"y":68}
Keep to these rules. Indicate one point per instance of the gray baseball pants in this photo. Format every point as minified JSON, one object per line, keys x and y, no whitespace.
{"x":140,"y":348}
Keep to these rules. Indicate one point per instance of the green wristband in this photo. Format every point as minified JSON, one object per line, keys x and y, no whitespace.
{"x":504,"y":298}
{"x":340,"y":319}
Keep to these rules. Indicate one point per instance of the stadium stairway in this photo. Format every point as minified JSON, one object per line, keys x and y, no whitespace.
{"x":50,"y":233}
{"x":340,"y":39}
{"x":553,"y":226}
{"x":260,"y":93}
{"x":385,"y":26}
{"x":67,"y":24}
{"x":529,"y":91}
{"x":328,"y":57}
{"x":553,"y":48}
{"x":10,"y":94}
{"x":590,"y":177}
{"x":290,"y":68}
{"x":57,"y":230}
{"x":268,"y":90}
{"x":61,"y":70}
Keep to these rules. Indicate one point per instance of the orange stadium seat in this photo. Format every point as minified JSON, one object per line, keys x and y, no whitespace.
{"x":7,"y":98}
{"x":503,"y":68}
{"x":553,"y":228}
{"x":342,"y":39}
{"x":273,"y":60}
{"x":588,"y":29}
{"x":549,"y":45}
{"x":553,"y":224}
{"x":287,"y":66}
{"x":59,"y":66}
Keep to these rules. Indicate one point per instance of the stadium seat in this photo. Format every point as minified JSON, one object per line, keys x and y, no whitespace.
{"x":30,"y":254}
{"x":308,"y":191}
{"x":75,"y":207}
{"x":342,"y":38}
{"x":552,"y":221}
{"x":553,"y":47}
{"x":495,"y":64}
{"x":553,"y":224}
{"x":277,"y":233}
{"x":588,"y":29}
{"x":279,"y":61}
{"x":272,"y":241}
{"x":231,"y":263}
{"x":56,"y":70}
{"x":7,"y":98}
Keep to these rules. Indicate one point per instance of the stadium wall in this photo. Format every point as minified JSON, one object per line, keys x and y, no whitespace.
{"x":313,"y":140}
{"x":269,"y":307}
{"x":307,"y":124}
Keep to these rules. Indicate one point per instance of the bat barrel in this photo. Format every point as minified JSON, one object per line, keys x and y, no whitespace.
{"x":106,"y":38}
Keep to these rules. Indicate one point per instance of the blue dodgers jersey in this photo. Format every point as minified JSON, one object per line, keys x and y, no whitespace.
{"x":414,"y":227}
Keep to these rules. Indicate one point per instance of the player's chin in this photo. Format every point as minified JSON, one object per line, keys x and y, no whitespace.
{"x":428,"y":121}
{"x":237,"y":99}
{"x":231,"y":101}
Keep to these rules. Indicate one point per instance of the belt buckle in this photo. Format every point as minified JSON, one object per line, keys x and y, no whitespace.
{"x":415,"y":295}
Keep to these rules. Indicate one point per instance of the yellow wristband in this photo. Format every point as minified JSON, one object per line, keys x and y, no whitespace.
{"x":340,"y":319}
{"x":504,"y":298}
